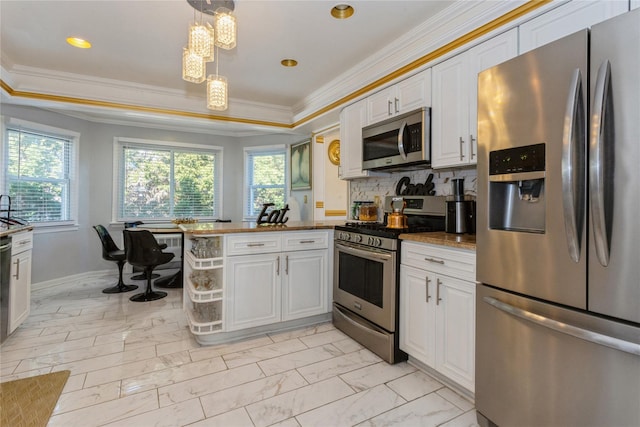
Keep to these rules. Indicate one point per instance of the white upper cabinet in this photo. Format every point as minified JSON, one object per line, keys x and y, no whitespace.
{"x":403,"y":97}
{"x":455,"y":97}
{"x":567,"y":19}
{"x":352,"y":119}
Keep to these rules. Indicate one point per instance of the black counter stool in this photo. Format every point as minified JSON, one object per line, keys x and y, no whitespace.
{"x":143,"y":251}
{"x":111,"y":252}
{"x":142,"y":276}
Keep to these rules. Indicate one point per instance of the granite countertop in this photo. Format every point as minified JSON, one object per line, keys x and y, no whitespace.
{"x":244,"y":227}
{"x":460,"y":241}
{"x":7,"y":230}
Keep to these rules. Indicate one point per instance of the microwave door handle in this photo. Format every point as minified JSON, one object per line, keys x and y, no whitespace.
{"x":601,"y":132}
{"x":401,"y":149}
{"x":572,"y":173}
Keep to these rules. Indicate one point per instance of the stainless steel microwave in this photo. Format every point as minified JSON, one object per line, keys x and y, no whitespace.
{"x":399,"y":143}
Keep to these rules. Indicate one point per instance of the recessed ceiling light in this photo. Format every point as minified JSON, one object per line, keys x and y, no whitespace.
{"x":289,"y":62}
{"x":342,"y":11}
{"x":78,"y":42}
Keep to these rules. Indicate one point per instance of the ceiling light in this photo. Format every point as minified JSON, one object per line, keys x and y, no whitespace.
{"x":217,"y":92}
{"x":342,"y":11}
{"x":203,"y":39}
{"x":289,"y":62}
{"x":78,"y":42}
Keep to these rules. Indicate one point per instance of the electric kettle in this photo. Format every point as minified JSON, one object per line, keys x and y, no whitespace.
{"x":397,"y":218}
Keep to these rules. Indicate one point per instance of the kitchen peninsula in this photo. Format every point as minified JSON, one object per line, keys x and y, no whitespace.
{"x":242,"y":279}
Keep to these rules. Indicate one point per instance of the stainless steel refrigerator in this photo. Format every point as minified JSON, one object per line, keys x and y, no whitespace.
{"x":558,"y":233}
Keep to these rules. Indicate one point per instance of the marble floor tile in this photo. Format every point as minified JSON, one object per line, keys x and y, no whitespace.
{"x":179,"y":414}
{"x":108,"y":412}
{"x":338,"y":365}
{"x":427,"y":411}
{"x":255,"y":391}
{"x":206,"y":384}
{"x":89,"y":396}
{"x":287,"y":405}
{"x":414,"y":385}
{"x":262,"y":353}
{"x":171,"y":375}
{"x":133,"y":369}
{"x":235,"y":418}
{"x":353,"y":409}
{"x":298,"y":359}
{"x":373,"y":375}
{"x":137,"y":365}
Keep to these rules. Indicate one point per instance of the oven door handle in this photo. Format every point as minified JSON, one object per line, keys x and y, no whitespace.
{"x":362,"y":253}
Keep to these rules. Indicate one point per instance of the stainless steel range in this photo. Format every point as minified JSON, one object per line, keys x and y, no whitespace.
{"x":366,"y":271}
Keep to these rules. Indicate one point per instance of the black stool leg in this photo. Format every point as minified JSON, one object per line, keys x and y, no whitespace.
{"x":120,"y":287}
{"x":149,"y":294}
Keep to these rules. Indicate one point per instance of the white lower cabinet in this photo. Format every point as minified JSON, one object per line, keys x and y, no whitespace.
{"x":20,"y":282}
{"x":279,"y":286}
{"x":437,"y":311}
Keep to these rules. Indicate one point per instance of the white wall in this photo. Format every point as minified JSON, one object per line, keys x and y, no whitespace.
{"x":62,"y":254}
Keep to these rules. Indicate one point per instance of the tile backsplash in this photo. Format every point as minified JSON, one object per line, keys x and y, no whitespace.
{"x":366,"y":189}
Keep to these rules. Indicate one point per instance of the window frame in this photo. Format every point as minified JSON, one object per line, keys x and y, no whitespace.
{"x":72,"y":202}
{"x":120,"y":142}
{"x":251,"y":151}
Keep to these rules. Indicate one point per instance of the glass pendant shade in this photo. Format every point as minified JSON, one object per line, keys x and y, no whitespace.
{"x":193,"y":67}
{"x":225,"y":26}
{"x":201,"y":40}
{"x":217,"y":93}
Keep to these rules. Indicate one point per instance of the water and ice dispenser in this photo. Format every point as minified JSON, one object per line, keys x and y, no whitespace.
{"x":516,"y":189}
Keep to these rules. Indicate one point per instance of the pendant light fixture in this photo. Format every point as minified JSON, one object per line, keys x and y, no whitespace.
{"x":203,"y":40}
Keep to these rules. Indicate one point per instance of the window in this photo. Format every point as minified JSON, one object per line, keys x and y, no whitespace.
{"x":265,"y":178}
{"x":39,"y":164}
{"x":160,"y":181}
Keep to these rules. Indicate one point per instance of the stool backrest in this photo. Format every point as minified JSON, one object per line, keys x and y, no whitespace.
{"x":142,"y":248}
{"x":108,"y":245}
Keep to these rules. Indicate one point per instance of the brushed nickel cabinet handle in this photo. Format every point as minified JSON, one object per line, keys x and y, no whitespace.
{"x":17,"y":275}
{"x":437,"y":261}
{"x":438,"y":299}
{"x":461,"y":155}
{"x":427,"y":287}
{"x":278,"y":265}
{"x":471,"y":141}
{"x":253,"y":245}
{"x":286,"y":265}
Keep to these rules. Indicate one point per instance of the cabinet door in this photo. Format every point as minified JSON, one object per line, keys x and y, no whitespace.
{"x":417,"y":314}
{"x":19,"y":289}
{"x":253,"y":290}
{"x":382,"y":105}
{"x":567,"y":19}
{"x":352,"y":119}
{"x":450,"y":114}
{"x":487,"y":54}
{"x":414,"y":92}
{"x":455,"y":340}
{"x":305,"y":284}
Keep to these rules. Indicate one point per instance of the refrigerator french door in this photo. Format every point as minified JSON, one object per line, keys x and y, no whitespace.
{"x":558,"y":235}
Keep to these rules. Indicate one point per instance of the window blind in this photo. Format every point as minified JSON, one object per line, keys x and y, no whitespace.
{"x":265,"y":179}
{"x":40,"y":170}
{"x":159,"y":182}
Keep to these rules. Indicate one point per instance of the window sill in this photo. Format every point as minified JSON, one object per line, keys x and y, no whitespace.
{"x":58,"y":228}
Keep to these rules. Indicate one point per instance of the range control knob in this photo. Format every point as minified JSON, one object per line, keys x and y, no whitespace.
{"x":357,"y":238}
{"x":378,"y":242}
{"x":346,"y":236}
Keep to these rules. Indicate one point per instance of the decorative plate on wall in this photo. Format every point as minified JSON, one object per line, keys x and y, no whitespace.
{"x":334,"y":152}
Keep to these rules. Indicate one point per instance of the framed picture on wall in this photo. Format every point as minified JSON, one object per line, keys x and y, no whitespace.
{"x":301,"y":166}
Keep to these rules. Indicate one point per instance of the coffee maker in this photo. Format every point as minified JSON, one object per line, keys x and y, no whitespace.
{"x":461,"y":210}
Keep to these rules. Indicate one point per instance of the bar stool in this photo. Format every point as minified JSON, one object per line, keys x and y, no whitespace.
{"x":111,"y":252}
{"x":143,"y":251}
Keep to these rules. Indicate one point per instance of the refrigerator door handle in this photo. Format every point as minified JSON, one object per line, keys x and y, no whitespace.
{"x":600,"y":130}
{"x":565,"y":328}
{"x":573,"y":185}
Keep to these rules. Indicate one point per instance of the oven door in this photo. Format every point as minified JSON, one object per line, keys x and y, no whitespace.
{"x":364,"y":281}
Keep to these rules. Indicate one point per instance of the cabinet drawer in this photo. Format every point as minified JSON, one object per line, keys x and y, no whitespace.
{"x":254,"y":243}
{"x":22,"y":241}
{"x":299,"y":241}
{"x":460,"y":263}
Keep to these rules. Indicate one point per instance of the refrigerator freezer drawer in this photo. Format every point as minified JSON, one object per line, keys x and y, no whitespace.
{"x":529,"y":374}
